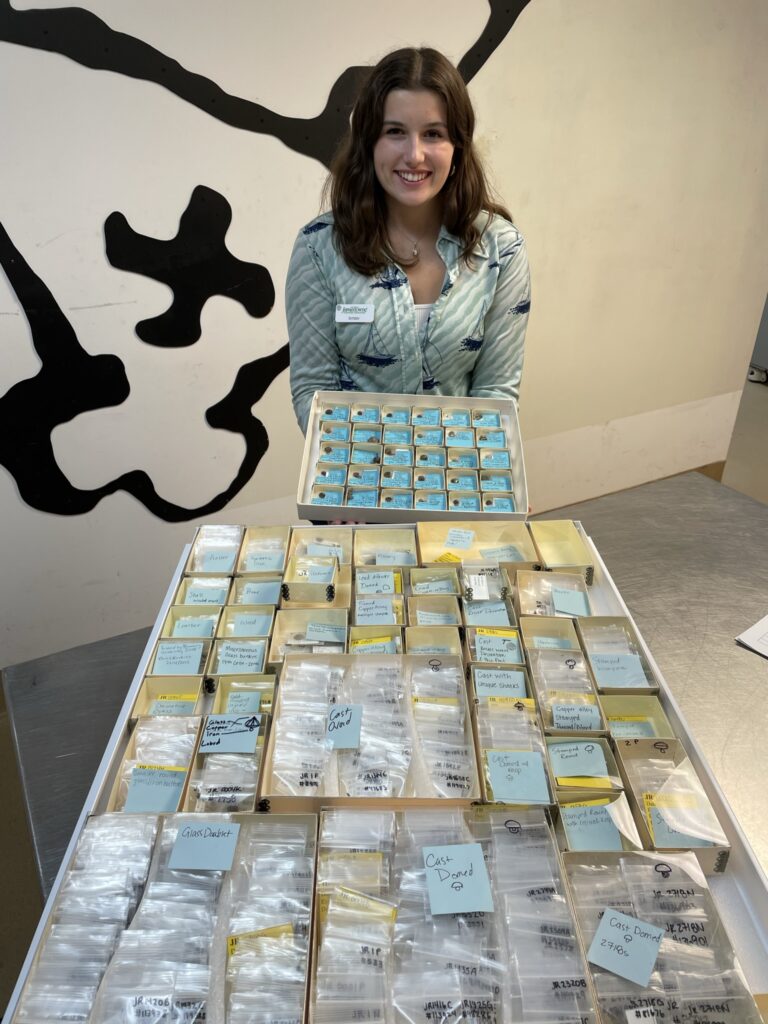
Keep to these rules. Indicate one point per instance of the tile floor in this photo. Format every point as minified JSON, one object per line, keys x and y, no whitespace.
{"x":746,"y":470}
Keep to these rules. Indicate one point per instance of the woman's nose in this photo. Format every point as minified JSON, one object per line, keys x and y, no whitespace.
{"x":414,"y":152}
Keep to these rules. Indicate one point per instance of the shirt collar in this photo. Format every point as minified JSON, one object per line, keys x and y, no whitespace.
{"x":478,"y":249}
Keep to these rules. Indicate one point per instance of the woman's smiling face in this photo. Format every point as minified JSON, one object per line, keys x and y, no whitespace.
{"x":413,"y":154}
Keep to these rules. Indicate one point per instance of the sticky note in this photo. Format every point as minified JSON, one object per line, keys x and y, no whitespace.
{"x":230,"y":734}
{"x":457,"y":879}
{"x":551,"y":643}
{"x":237,"y":657}
{"x":618,"y":670}
{"x":499,"y":682}
{"x":578,"y":717}
{"x":244,"y":702}
{"x":461,"y":539}
{"x":251,"y":624}
{"x":444,"y":586}
{"x":374,"y":611}
{"x":589,"y":826}
{"x":505,"y":553}
{"x":266,"y":560}
{"x":173,"y":704}
{"x":569,"y":602}
{"x":318,"y":573}
{"x":203,"y":846}
{"x":660,"y":812}
{"x":325,"y":551}
{"x":425,"y":617}
{"x":518,"y":776}
{"x":498,"y":645}
{"x":577,"y":758}
{"x":374,"y":646}
{"x":154,"y":789}
{"x":178,"y":659}
{"x":626,"y":946}
{"x":343,"y":728}
{"x":395,"y":558}
{"x":631,"y":727}
{"x":193,"y":625}
{"x":326,"y":633}
{"x":374,"y":582}
{"x":430,"y":649}
{"x":261,"y":592}
{"x":205,"y":595}
{"x":486,"y":613}
{"x":218,"y":559}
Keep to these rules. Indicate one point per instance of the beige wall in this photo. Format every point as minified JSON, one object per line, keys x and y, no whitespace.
{"x":628,"y":138}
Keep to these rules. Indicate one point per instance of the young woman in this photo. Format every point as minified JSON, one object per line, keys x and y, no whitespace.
{"x":416,"y":281}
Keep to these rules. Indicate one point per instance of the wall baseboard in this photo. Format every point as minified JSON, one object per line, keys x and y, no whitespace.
{"x":600,"y":459}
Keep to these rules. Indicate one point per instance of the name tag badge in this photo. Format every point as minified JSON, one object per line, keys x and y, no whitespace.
{"x":347,"y":313}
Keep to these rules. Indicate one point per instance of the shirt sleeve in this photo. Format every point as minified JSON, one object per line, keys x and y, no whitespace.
{"x":310,"y":311}
{"x":499,"y":366}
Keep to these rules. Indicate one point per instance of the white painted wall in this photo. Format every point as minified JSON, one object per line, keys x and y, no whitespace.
{"x":628,"y":139}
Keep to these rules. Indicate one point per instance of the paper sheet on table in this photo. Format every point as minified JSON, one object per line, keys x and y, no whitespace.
{"x":756,"y":637}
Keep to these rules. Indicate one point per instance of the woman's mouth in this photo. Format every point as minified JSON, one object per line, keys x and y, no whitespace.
{"x":412,"y":177}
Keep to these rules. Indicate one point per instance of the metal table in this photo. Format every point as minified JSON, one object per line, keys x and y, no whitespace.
{"x":689,"y":556}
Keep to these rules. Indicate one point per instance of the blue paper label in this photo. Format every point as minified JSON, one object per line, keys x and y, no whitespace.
{"x":401,"y":500}
{"x":364,"y":477}
{"x":366,"y":414}
{"x":569,"y":602}
{"x":230,"y":734}
{"x":577,"y":717}
{"x":551,"y":643}
{"x":426,"y":481}
{"x":193,"y":626}
{"x":251,"y":624}
{"x":430,"y":649}
{"x":367,"y":435}
{"x":335,"y":412}
{"x":505,"y":553}
{"x":425,"y":617}
{"x":237,"y":657}
{"x":205,"y":595}
{"x":178,"y":658}
{"x":397,"y":435}
{"x":243,"y":702}
{"x":374,"y":582}
{"x":459,"y":539}
{"x":626,"y":946}
{"x":590,"y":828}
{"x":204,"y":846}
{"x":164,"y":708}
{"x":333,"y":453}
{"x":328,"y":496}
{"x":618,"y":671}
{"x":365,"y":456}
{"x":430,"y":436}
{"x":465,"y":502}
{"x":457,"y":879}
{"x":496,"y":482}
{"x":266,"y":560}
{"x":456,"y":418}
{"x":336,"y":432}
{"x":500,"y":682}
{"x":486,"y":419}
{"x":327,"y":633}
{"x":333,"y":477}
{"x":375,"y":647}
{"x":397,"y":416}
{"x":398,"y":457}
{"x":486,"y":613}
{"x":436,"y":458}
{"x":344,"y":723}
{"x":261,"y":592}
{"x":631,"y":729}
{"x":435,"y":502}
{"x":434,"y":587}
{"x":395,"y":558}
{"x":499,"y":504}
{"x":325,"y":551}
{"x":462,"y":460}
{"x":219,"y":559}
{"x":666,"y":837}
{"x":374,"y":611}
{"x":494,"y":460}
{"x":360,"y":497}
{"x":518,"y":776}
{"x":502,"y":649}
{"x":458,"y":482}
{"x":457,"y":438}
{"x":154,"y":789}
{"x":426,"y":417}
{"x":575,"y":758}
{"x":491,"y":439}
{"x":397,"y":478}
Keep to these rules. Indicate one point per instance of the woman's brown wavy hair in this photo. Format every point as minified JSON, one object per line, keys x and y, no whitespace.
{"x":357,"y":199}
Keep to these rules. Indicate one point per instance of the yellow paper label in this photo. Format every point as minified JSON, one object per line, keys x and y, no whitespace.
{"x":584,"y":781}
{"x":572,"y":697}
{"x":512,"y":702}
{"x":249,"y":940}
{"x":447,"y":556}
{"x":162,"y":767}
{"x":366,"y":640}
{"x":176,"y":696}
{"x":450,"y":701}
{"x":601,"y":802}
{"x":629,"y":718}
{"x":484,"y":631}
{"x":672,"y":800}
{"x":365,"y":904}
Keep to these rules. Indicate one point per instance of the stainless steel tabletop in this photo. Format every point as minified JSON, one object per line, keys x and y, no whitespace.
{"x":690,"y":558}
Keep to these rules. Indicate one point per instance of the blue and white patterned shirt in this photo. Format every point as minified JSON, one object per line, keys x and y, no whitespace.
{"x":474,"y":340}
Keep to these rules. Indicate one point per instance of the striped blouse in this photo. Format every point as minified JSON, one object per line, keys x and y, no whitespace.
{"x":474,"y":340}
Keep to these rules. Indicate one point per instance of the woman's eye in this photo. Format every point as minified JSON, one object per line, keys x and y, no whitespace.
{"x":394,"y":131}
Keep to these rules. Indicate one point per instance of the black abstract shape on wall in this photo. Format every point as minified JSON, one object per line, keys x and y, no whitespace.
{"x":70,"y":382}
{"x":85,"y":38}
{"x":195,"y":265}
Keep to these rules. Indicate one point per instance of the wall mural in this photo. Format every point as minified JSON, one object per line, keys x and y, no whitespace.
{"x":195,"y":264}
